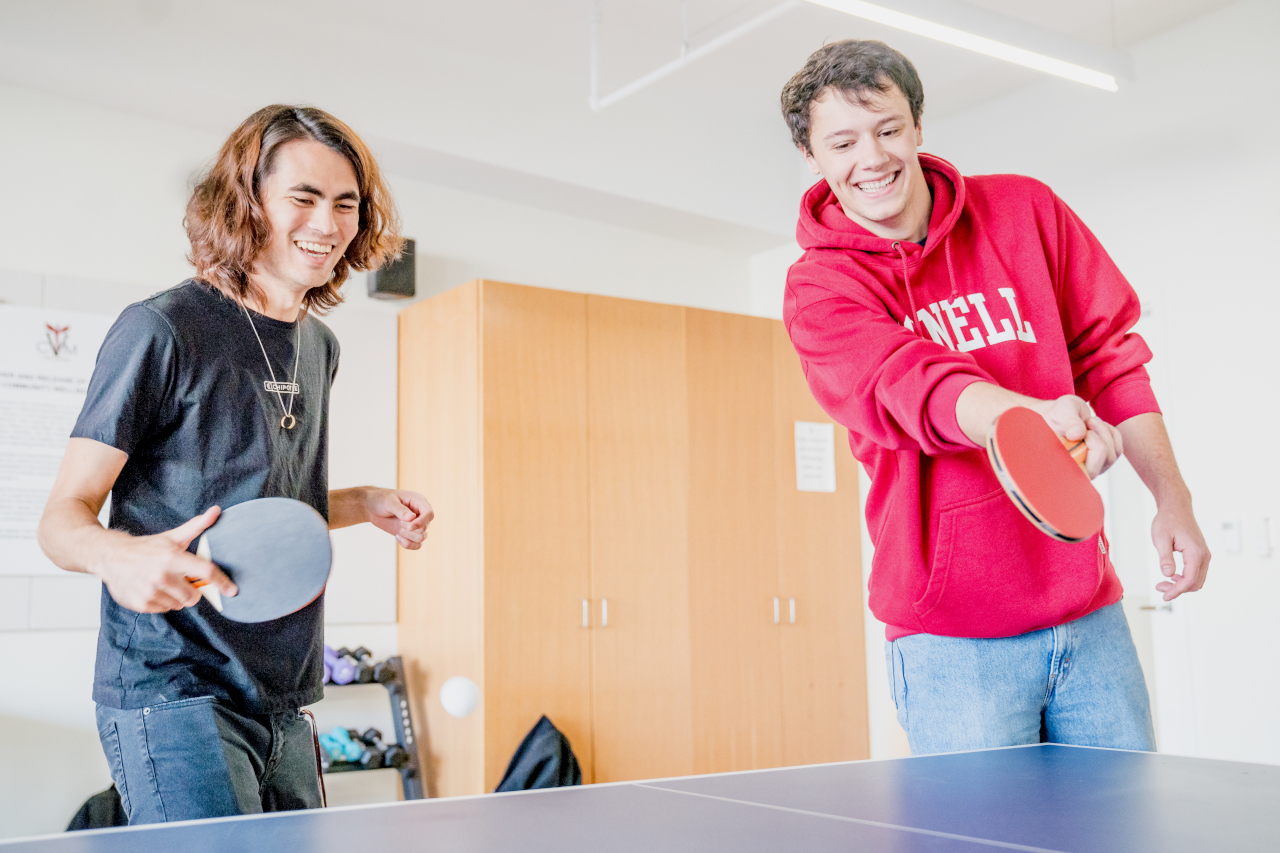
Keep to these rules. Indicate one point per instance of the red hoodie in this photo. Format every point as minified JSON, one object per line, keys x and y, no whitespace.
{"x":1010,"y":288}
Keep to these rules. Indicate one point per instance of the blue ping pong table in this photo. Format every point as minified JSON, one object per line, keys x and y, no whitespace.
{"x":1045,"y":798}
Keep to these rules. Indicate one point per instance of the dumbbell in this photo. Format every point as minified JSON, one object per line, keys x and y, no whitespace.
{"x":337,"y":669}
{"x":341,"y":746}
{"x":330,"y":658}
{"x":385,"y":672}
{"x":392,"y":754}
{"x":367,"y":758}
{"x":342,"y":665}
{"x":372,"y":757}
{"x":364,"y":665}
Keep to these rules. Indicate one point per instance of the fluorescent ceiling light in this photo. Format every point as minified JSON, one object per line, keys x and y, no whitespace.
{"x":978,"y":44}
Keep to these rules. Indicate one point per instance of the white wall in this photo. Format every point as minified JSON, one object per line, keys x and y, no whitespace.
{"x":1177,"y":175}
{"x":92,"y":221}
{"x":887,"y":738}
{"x":768,"y":273}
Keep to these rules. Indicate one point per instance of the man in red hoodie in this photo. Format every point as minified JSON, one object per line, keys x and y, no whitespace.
{"x":926,"y":304}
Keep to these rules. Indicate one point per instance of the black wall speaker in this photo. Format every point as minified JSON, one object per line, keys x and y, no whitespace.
{"x":394,"y":279}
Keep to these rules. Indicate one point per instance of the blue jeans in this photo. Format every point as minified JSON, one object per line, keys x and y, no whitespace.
{"x":197,"y":758}
{"x":1078,"y":683}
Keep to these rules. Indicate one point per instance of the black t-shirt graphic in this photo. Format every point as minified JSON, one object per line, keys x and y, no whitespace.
{"x":179,"y":387}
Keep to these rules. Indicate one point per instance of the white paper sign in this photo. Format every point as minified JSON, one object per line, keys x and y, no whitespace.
{"x":815,"y":457}
{"x":46,"y":359}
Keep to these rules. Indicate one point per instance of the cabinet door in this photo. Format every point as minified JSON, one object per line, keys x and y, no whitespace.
{"x":441,"y":585}
{"x":733,"y":543}
{"x":537,"y":654}
{"x":639,"y":540}
{"x":824,"y":698}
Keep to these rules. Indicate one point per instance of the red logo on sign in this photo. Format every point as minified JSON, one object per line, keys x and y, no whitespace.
{"x":55,"y":341}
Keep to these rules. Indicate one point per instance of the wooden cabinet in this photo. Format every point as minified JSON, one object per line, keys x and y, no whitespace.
{"x":733,"y":543}
{"x":617,"y":524}
{"x":639,"y":449}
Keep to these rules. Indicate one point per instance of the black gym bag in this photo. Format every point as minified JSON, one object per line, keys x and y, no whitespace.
{"x":100,"y":811}
{"x":544,"y":760}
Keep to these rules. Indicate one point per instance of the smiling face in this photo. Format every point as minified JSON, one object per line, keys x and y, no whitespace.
{"x":312,"y":202}
{"x":867,"y":155}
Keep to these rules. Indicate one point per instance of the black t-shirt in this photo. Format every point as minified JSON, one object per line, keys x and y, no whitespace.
{"x":179,"y":387}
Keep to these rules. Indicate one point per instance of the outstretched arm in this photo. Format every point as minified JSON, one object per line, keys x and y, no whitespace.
{"x":981,"y":403}
{"x":403,"y":514}
{"x":1175,"y":529}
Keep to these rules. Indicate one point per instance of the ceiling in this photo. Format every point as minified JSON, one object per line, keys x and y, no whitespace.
{"x":491,"y":95}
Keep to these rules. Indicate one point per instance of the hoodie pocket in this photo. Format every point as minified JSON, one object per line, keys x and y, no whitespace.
{"x":995,"y":575}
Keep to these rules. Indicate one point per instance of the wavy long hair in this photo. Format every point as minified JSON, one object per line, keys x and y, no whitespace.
{"x":228,"y":228}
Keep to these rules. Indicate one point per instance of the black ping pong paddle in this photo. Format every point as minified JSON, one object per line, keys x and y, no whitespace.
{"x":277,"y":553}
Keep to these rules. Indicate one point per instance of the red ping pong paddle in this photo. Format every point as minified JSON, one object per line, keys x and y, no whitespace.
{"x":1044,"y":475}
{"x":277,"y":553}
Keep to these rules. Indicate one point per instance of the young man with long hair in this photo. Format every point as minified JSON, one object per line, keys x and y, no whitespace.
{"x":209,"y":394}
{"x":925,"y":305}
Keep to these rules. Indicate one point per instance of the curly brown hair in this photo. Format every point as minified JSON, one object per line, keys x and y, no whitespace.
{"x":228,"y":227}
{"x":854,"y":69}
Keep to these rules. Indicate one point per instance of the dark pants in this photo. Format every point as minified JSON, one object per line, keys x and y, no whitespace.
{"x":197,"y":758}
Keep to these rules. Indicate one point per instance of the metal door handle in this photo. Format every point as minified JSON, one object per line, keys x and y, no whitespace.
{"x":1165,"y":607}
{"x":776,"y":611}
{"x":586,"y":613}
{"x":604,"y":613}
{"x":793,"y":611}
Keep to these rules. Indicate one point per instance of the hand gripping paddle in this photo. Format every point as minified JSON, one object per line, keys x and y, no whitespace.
{"x":275,"y":550}
{"x":1044,"y":475}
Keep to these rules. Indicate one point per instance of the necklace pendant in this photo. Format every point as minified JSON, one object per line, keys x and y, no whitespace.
{"x":281,"y":388}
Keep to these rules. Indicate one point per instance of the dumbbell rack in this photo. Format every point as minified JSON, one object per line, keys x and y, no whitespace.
{"x":402,"y":719}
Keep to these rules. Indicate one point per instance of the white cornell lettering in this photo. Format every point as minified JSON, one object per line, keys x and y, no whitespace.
{"x":958,"y":323}
{"x":1023,"y":328}
{"x":993,"y":337}
{"x":933,"y":325}
{"x":945,"y":317}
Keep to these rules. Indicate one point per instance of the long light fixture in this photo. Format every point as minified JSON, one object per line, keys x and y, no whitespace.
{"x":956,"y":12}
{"x":978,"y":44}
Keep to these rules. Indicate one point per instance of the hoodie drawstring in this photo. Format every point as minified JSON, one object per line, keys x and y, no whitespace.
{"x":951,"y":270}
{"x":906,"y":278}
{"x":911,"y":297}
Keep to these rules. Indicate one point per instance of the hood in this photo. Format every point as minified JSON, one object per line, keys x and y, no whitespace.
{"x":823,"y":224}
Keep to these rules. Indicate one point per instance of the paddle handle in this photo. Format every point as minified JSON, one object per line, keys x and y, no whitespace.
{"x":1079,"y":452}
{"x":208,"y":590}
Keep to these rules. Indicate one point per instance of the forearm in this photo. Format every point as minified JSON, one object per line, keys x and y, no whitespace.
{"x":1147,"y":446}
{"x":402,"y":513}
{"x":72,"y":537}
{"x":1174,"y":528}
{"x":981,"y":403}
{"x":348,"y":506}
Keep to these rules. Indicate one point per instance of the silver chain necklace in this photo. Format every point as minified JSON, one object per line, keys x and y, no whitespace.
{"x":288,"y":421}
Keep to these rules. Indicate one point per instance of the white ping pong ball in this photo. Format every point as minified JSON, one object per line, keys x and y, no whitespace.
{"x":459,"y":696}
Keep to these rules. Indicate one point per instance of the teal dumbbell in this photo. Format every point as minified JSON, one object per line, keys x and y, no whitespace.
{"x":340,"y":746}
